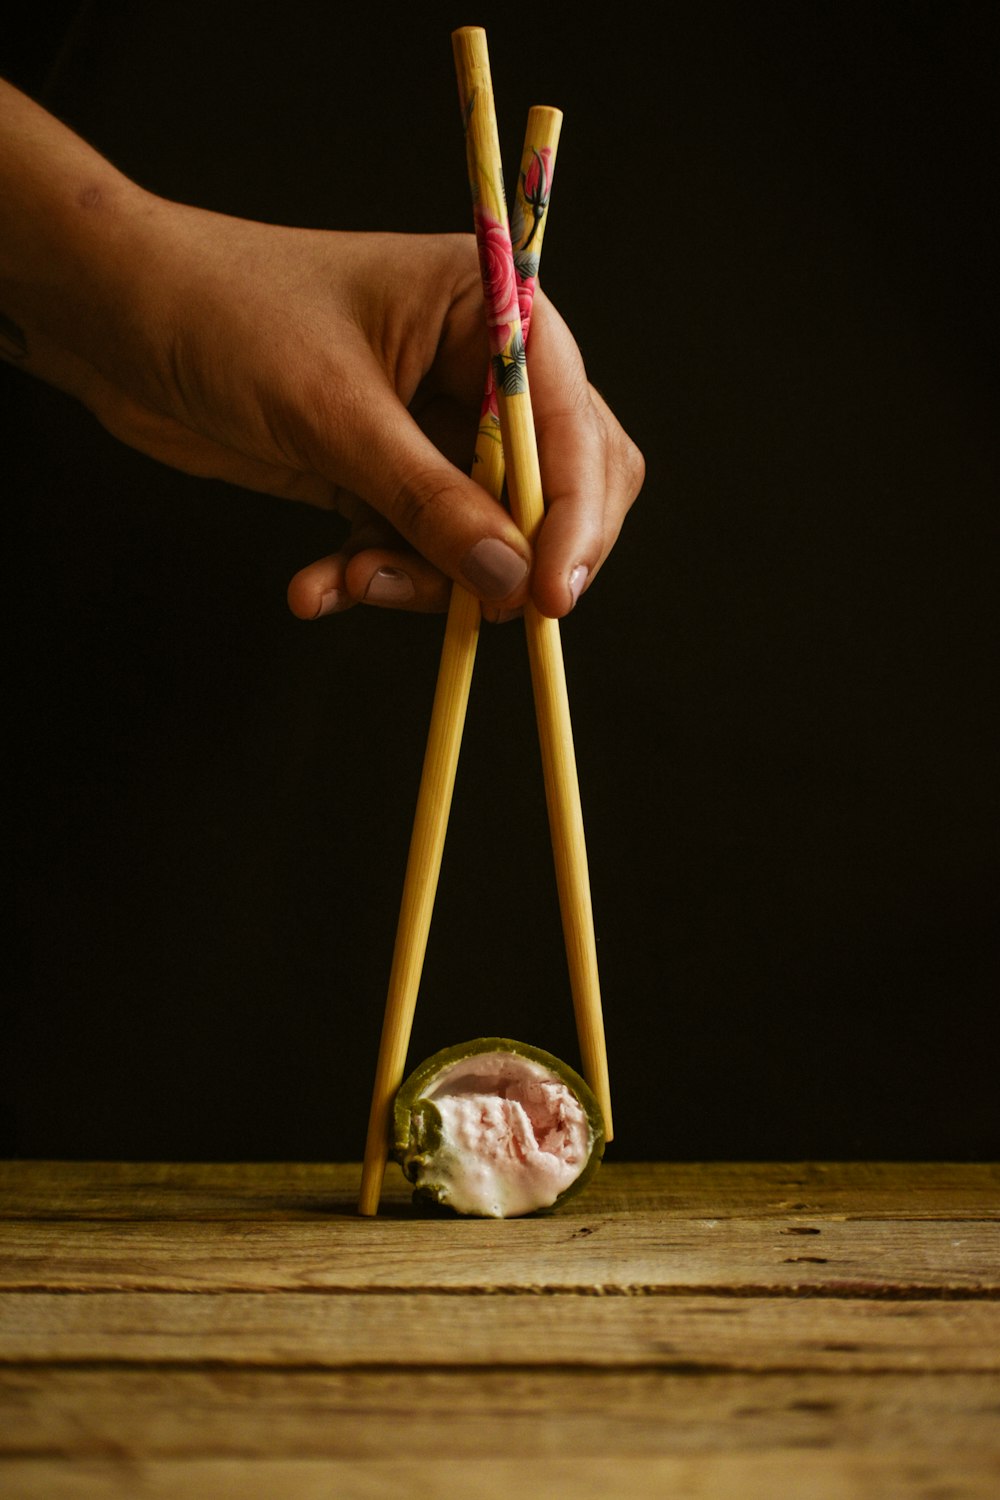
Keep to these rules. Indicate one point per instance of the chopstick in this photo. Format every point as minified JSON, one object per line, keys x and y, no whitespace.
{"x":451,"y":696}
{"x":524,"y":488}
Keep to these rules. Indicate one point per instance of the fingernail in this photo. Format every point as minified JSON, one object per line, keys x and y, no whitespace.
{"x":501,"y":616}
{"x":577,"y":579}
{"x":329,"y":603}
{"x":389,"y":586}
{"x":493,"y":569}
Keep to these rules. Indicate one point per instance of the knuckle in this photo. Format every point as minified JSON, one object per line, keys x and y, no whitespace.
{"x":626,"y":465}
{"x":631,"y":467}
{"x":420,"y":503}
{"x":574,"y":409}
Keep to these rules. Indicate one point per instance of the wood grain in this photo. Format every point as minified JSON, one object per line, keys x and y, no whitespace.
{"x":612,"y":1255}
{"x":156,"y":1413}
{"x":933,"y":1474}
{"x":721,"y":1332}
{"x":302,"y":1190}
{"x":361,"y":1330}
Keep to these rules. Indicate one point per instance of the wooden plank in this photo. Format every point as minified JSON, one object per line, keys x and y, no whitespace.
{"x":166,"y":1190}
{"x":631,"y":1253}
{"x":697,"y":1333}
{"x":484,"y":1415}
{"x":931,"y":1474}
{"x":184,"y":1190}
{"x":824,"y":1331}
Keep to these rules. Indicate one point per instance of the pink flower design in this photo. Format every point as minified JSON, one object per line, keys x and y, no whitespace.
{"x":490,"y":407}
{"x":496,"y":258}
{"x":536,"y":185}
{"x":538,"y":177}
{"x":525,"y":297}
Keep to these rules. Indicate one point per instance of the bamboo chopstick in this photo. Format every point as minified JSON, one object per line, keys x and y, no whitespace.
{"x":458,"y":655}
{"x":524,"y":488}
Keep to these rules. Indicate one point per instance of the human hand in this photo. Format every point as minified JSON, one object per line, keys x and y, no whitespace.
{"x":347,"y":370}
{"x":344,"y":370}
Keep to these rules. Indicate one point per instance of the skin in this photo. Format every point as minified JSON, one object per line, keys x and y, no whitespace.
{"x":343,"y":370}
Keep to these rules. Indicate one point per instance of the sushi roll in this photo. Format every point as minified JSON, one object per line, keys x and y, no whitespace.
{"x":496,"y":1128}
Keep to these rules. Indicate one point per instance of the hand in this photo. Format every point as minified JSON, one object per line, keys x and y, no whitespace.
{"x":293,"y":358}
{"x":344,"y":370}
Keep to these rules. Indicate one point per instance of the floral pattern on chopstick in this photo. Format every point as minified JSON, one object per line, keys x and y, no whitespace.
{"x":534,"y":188}
{"x":509,"y":268}
{"x":496,"y":262}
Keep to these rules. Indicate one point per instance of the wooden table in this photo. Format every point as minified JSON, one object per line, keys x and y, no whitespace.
{"x":176,"y":1332}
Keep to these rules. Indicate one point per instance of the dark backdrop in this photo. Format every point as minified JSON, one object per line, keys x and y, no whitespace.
{"x":772,"y":232}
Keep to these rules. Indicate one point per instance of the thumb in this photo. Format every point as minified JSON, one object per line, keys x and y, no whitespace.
{"x":451,"y":521}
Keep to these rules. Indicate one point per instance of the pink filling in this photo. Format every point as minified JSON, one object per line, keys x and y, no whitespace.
{"x":513,"y":1135}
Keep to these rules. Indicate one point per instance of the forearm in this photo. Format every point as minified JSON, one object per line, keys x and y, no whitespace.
{"x":72,"y":229}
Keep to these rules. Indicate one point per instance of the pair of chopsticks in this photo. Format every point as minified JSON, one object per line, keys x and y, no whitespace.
{"x":513,"y":450}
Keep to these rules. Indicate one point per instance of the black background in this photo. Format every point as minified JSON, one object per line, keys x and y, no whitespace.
{"x":773,"y":233}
